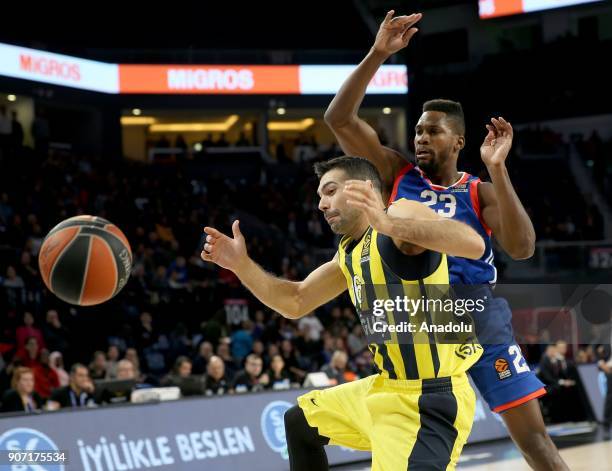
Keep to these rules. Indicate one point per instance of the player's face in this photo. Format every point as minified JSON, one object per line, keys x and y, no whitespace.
{"x":435,"y":141}
{"x":338,"y":214}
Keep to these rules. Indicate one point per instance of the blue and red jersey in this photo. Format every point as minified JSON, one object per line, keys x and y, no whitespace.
{"x":458,"y":201}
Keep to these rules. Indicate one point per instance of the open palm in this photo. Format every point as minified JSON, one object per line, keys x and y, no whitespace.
{"x":497,"y":143}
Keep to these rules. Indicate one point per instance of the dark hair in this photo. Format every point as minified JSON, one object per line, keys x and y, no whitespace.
{"x":76,"y":366}
{"x":354,"y":167}
{"x":179,"y":361}
{"x":453,"y":110}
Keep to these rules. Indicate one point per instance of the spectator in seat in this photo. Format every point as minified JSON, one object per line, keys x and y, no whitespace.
{"x":21,"y":396}
{"x":336,"y":369}
{"x":200,"y":362}
{"x":605,"y":365}
{"x":242,"y":341}
{"x":97,"y":368}
{"x":125,"y":372}
{"x":216,"y":382}
{"x":560,"y":388}
{"x":78,"y":393}
{"x":223,"y":351}
{"x":278,"y":375}
{"x":45,"y":377}
{"x":181,"y":370}
{"x":56,"y":335}
{"x":27,"y":330}
{"x":29,"y":355}
{"x":56,"y":361}
{"x":112,"y":361}
{"x":250,"y":379}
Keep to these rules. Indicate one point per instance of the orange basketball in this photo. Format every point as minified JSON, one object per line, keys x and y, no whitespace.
{"x":85,"y":260}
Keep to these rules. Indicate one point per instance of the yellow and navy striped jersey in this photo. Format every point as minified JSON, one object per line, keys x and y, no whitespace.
{"x":375,"y":269}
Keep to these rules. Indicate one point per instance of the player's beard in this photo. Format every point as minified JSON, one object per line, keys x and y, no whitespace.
{"x":430,"y":166}
{"x":341,"y":225}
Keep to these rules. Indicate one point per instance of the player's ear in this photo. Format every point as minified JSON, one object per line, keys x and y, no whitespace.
{"x":460,"y":144}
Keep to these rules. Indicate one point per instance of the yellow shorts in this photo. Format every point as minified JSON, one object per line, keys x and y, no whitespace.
{"x":406,"y":424}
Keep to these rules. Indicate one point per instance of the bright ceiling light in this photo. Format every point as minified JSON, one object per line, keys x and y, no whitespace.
{"x":222,"y":126}
{"x":290,"y":125}
{"x":137,"y":120}
{"x":386,"y":110}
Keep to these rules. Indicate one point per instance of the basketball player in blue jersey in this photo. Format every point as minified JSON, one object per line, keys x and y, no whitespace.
{"x":502,"y":375}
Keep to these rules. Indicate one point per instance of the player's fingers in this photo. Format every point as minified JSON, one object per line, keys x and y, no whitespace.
{"x":213,"y":232}
{"x":211,"y":240}
{"x":388,"y":17}
{"x":208,"y":248}
{"x":356,"y":184}
{"x":206,"y":257}
{"x":408,"y":34}
{"x":356,"y":195}
{"x":497,"y":124}
{"x":357,"y":204}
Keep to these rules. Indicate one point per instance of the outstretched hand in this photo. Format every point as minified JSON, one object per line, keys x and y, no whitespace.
{"x":394,"y":34}
{"x":497,"y":143}
{"x":227,"y":252}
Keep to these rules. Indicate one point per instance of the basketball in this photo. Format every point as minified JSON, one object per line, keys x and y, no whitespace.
{"x":85,"y":260}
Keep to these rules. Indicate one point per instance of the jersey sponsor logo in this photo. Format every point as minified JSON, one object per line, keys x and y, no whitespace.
{"x":502,"y":367}
{"x":365,"y":251}
{"x":461,"y":188}
{"x":273,"y":426}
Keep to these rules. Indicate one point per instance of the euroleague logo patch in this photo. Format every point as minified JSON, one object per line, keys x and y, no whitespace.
{"x":503,"y":368}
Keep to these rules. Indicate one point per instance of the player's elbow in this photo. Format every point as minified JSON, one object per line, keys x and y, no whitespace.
{"x":524,"y":248}
{"x":522,"y":252}
{"x":334,"y":119}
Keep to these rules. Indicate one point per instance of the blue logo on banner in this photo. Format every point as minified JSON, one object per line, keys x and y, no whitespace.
{"x":273,"y":426}
{"x":28,"y":439}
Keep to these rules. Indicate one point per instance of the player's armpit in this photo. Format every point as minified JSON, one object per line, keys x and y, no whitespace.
{"x":319,"y":287}
{"x":358,"y":139}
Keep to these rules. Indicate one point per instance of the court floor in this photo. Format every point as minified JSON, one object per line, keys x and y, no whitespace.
{"x":588,"y":450}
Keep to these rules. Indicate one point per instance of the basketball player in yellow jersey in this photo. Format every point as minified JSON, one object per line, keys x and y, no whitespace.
{"x":417,"y":412}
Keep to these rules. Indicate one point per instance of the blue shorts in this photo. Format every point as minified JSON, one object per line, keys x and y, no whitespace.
{"x":502,"y":375}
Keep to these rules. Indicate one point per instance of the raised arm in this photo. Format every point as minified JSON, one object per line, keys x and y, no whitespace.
{"x":410,"y":222}
{"x":501,"y":207}
{"x":355,"y":136}
{"x":292,"y":299}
